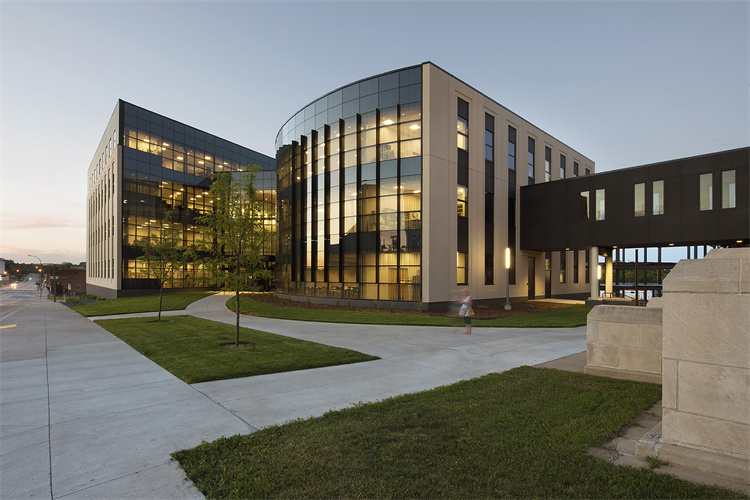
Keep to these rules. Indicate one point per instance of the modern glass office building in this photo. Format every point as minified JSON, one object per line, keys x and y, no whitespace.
{"x":403,"y":187}
{"x":145,"y":166}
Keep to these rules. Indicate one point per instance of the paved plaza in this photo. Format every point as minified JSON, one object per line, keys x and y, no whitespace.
{"x":83,"y":415}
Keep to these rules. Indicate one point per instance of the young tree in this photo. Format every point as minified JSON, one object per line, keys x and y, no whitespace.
{"x":164,"y":254}
{"x":234,"y":233}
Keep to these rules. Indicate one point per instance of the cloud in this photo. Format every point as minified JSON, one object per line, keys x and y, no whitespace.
{"x":20,"y":222}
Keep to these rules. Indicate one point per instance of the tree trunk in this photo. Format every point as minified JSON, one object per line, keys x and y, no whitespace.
{"x":161,"y":294}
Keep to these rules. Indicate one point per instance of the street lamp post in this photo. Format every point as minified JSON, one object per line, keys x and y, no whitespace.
{"x":507,"y":279}
{"x":40,"y":274}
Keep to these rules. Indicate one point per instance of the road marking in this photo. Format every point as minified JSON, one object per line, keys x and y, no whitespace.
{"x":6,"y":326}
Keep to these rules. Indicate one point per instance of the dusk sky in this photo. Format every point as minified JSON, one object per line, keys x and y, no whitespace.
{"x":624,"y":83}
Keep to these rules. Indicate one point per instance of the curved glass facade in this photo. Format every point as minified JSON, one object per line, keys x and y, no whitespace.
{"x":349,"y":169}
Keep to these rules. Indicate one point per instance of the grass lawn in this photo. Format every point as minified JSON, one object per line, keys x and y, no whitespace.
{"x":519,"y":434}
{"x":570,"y":316}
{"x":193,"y":349}
{"x":144,"y":303}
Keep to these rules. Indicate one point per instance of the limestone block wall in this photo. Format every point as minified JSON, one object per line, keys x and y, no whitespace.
{"x":706,"y":363}
{"x":625,"y":342}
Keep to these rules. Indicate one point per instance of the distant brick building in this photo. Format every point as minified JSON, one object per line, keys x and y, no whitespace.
{"x":72,"y":280}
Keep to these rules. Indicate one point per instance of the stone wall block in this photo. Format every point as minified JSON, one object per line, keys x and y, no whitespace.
{"x":708,"y":328}
{"x":669,"y":383}
{"x":650,"y":338}
{"x":604,"y":355}
{"x":640,"y":360}
{"x":619,"y":334}
{"x":708,"y":276}
{"x":698,"y":431}
{"x":715,"y":391}
{"x":592,"y":329}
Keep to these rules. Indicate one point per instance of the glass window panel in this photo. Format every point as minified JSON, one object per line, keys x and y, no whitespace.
{"x":410,"y":94}
{"x":640,"y":200}
{"x":388,"y":151}
{"x":388,"y":204}
{"x":728,"y":189}
{"x":410,"y":220}
{"x":368,"y":206}
{"x":388,"y":274}
{"x":388,"y":186}
{"x":368,"y":138}
{"x":600,"y":204}
{"x":369,"y":155}
{"x":388,"y":98}
{"x":411,"y":166}
{"x":389,"y":81}
{"x":411,"y":112}
{"x":463,"y":141}
{"x":350,"y":159}
{"x":368,"y":222}
{"x":351,"y":92}
{"x":350,"y":142}
{"x":658,"y":198}
{"x":411,"y":148}
{"x":706,"y":192}
{"x":463,"y":125}
{"x":411,"y":203}
{"x":367,"y":274}
{"x":389,"y":168}
{"x":411,"y":184}
{"x":368,"y":258}
{"x":350,"y":226}
{"x":388,"y":221}
{"x":368,"y":87}
{"x":388,"y":134}
{"x":350,"y":125}
{"x":388,"y":241}
{"x":388,"y":259}
{"x":410,"y":130}
{"x":369,"y":120}
{"x":368,"y":172}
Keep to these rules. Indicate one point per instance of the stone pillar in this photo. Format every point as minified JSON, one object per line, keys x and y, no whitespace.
{"x":593,"y":276}
{"x":706,"y":364}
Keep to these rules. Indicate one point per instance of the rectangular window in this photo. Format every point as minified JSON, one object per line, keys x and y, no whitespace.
{"x":489,"y":142}
{"x":562,"y":166}
{"x":547,"y":164}
{"x":563,"y":265}
{"x":462,"y":268}
{"x":600,"y":204}
{"x":587,"y":276}
{"x":575,"y":266}
{"x":728,"y":189}
{"x":584,"y":206}
{"x":532,"y":149}
{"x":640,"y":200}
{"x":461,"y":196}
{"x":463,"y":125}
{"x":706,"y":191}
{"x":511,"y":148}
{"x":588,"y":171}
{"x":489,"y":199}
{"x":575,"y":169}
{"x":463,"y":133}
{"x":658,"y":198}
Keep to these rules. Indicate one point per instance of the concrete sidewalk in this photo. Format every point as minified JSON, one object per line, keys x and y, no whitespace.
{"x":83,"y":415}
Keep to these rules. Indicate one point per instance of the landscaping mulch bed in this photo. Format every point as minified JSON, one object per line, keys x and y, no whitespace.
{"x":481,"y":311}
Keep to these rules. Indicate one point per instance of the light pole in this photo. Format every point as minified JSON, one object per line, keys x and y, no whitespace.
{"x":507,"y":279}
{"x":40,"y":274}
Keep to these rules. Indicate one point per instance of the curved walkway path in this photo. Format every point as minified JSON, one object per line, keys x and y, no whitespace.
{"x":83,"y":415}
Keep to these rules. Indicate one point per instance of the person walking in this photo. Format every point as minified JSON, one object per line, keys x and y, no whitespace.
{"x":466,"y":311}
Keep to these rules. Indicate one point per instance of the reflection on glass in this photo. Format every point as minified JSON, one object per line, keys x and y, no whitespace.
{"x":658,"y":198}
{"x":706,"y":192}
{"x":600,"y":204}
{"x":728,"y":187}
{"x":640,"y":200}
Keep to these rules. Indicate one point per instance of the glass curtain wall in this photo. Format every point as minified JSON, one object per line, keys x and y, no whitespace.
{"x":167,"y":167}
{"x":350,"y":183}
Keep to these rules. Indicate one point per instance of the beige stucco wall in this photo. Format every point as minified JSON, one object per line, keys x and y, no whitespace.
{"x":625,"y":342}
{"x":706,"y":351}
{"x":439,"y":156}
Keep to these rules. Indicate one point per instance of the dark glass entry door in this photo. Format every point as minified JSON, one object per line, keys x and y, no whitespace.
{"x":532,"y":279}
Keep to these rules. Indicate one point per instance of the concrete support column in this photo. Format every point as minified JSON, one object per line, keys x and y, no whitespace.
{"x":608,"y":275}
{"x":593,"y":272}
